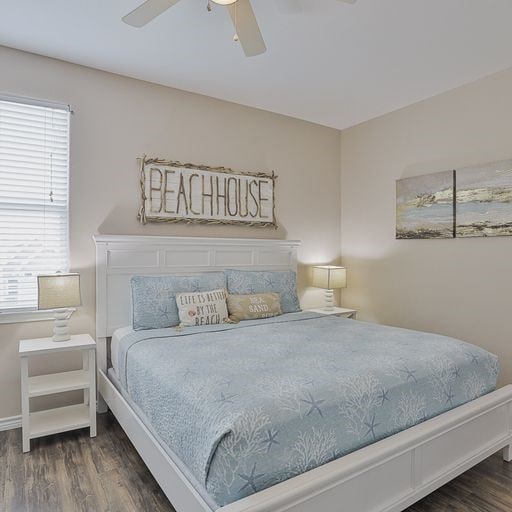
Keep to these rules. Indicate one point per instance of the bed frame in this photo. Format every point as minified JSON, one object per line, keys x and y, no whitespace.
{"x":398,"y":471}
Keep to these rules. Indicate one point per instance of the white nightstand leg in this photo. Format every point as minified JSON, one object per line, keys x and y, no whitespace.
{"x":85,"y":366}
{"x":92,"y":391}
{"x":507,"y":453}
{"x":25,"y":405}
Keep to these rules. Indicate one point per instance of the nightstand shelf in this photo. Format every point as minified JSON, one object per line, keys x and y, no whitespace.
{"x":61,"y":419}
{"x":58,"y":383}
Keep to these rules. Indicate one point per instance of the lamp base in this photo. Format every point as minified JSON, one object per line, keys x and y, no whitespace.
{"x":329,"y":300}
{"x":61,"y":324}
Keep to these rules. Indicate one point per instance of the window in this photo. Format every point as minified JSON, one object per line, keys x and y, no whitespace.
{"x":34,"y":178}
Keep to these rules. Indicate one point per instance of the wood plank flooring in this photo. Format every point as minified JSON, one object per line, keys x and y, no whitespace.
{"x":73,"y":473}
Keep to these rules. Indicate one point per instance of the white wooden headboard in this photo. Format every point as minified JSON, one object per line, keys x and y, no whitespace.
{"x":119,"y":257}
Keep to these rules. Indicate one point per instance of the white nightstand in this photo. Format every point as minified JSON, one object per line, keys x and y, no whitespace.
{"x":61,"y":419}
{"x":344,"y":312}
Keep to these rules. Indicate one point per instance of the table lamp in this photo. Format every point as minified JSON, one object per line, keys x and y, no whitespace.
{"x":59,"y":292}
{"x":330,"y":278}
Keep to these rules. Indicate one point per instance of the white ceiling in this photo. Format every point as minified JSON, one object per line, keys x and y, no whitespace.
{"x":327,"y":62}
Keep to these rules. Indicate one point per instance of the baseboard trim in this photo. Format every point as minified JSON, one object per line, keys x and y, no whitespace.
{"x":10,"y":423}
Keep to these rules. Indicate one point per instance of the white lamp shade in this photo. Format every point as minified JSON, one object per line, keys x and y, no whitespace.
{"x":329,"y":277}
{"x":57,"y":291}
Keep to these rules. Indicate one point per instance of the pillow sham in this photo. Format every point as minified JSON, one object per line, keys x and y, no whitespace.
{"x":252,"y":307}
{"x":154,"y":297}
{"x":245,"y":282}
{"x":202,"y":308}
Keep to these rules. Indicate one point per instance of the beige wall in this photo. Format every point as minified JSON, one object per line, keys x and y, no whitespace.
{"x":118,"y":119}
{"x":462,"y":287}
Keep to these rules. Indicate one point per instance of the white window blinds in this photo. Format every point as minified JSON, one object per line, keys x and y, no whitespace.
{"x":34,"y":177}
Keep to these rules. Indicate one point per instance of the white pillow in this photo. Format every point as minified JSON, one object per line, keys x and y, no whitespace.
{"x":202,"y":308}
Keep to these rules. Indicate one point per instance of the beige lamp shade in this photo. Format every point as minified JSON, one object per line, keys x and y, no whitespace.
{"x":58,"y":291}
{"x":329,"y":277}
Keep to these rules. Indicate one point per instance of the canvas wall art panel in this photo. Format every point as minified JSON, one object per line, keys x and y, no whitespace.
{"x":484,"y":200}
{"x":425,"y":206}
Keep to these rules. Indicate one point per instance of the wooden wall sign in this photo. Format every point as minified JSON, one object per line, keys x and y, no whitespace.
{"x":176,"y":192}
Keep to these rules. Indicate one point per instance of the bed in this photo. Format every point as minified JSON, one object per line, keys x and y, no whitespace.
{"x":278,"y":414}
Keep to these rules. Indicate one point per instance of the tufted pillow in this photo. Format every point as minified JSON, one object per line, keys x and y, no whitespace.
{"x":154,"y":297}
{"x":245,"y":282}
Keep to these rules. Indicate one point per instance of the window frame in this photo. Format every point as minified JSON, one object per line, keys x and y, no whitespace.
{"x":32,"y":314}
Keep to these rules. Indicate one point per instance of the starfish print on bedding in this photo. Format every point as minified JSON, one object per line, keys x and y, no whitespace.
{"x":271,"y":439}
{"x":314,"y":404}
{"x":250,"y":479}
{"x":164,"y":312}
{"x":226,"y":399}
{"x":473,"y":357}
{"x":270,"y":282}
{"x":449,"y":396}
{"x":371,"y":427}
{"x":409,"y":374}
{"x":383,"y":396}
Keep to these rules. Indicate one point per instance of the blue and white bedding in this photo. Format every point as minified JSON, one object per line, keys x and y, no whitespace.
{"x":249,"y":405}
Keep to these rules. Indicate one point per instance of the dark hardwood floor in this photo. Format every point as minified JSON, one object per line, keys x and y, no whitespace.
{"x":72,"y":472}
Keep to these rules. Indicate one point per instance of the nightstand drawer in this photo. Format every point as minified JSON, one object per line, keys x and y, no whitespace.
{"x":58,"y":383}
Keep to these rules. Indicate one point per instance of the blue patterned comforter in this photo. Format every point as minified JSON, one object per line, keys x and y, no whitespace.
{"x":249,"y":405}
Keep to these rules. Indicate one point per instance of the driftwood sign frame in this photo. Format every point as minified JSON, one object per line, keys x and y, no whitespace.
{"x":175,"y":192}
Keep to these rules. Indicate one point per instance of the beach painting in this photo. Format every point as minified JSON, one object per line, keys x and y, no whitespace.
{"x":425,"y":206}
{"x":484,"y":200}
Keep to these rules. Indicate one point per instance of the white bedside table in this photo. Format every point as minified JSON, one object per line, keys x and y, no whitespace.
{"x":61,"y":419}
{"x":344,"y":312}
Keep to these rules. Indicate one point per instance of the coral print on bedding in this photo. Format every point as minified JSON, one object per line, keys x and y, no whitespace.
{"x":241,"y":282}
{"x":154,"y":297}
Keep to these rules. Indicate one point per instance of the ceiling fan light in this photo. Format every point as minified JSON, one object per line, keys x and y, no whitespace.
{"x":224,"y":2}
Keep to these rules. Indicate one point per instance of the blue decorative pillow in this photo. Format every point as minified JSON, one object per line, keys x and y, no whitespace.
{"x":243,"y":282}
{"x":154,"y":297}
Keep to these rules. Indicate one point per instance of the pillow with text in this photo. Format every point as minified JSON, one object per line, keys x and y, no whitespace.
{"x":202,"y":308}
{"x":252,"y":307}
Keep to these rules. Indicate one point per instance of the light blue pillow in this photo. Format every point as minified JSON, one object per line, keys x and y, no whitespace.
{"x":154,"y":297}
{"x":243,"y":282}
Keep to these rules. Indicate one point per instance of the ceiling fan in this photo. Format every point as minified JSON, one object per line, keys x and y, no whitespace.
{"x":247,"y":31}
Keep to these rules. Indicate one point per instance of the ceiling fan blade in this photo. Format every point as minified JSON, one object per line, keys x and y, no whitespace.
{"x":246,"y":27}
{"x":147,"y":12}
